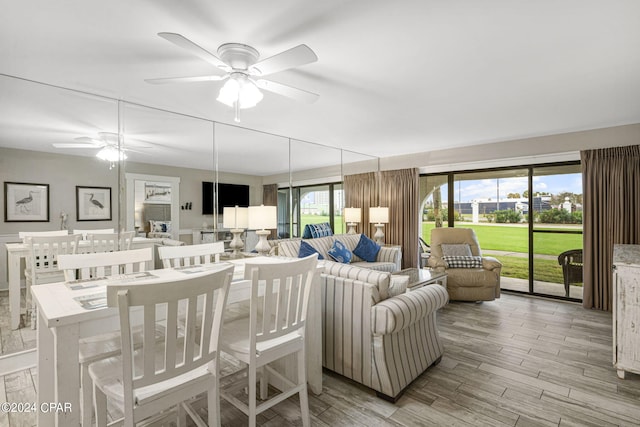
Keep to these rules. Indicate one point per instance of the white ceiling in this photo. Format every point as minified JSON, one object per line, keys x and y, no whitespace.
{"x":394,"y":77}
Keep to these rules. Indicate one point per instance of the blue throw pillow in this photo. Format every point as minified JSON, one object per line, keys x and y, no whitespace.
{"x":306,"y":250}
{"x":367,"y":249}
{"x":313,"y":231}
{"x":339,"y":252}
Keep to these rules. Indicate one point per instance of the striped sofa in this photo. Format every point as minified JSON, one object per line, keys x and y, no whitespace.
{"x":379,"y":340}
{"x":389,"y":257}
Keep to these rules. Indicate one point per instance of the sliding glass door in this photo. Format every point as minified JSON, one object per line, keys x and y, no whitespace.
{"x":528,"y":217}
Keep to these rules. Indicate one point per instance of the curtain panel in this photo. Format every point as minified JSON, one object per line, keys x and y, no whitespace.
{"x":398,"y":190}
{"x":270,"y":198}
{"x":611,"y":215}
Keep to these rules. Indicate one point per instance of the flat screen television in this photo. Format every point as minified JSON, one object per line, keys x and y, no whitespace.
{"x":228,"y":195}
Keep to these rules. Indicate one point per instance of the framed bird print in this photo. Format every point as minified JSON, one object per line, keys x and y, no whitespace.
{"x":93,"y":203}
{"x":24,"y":202}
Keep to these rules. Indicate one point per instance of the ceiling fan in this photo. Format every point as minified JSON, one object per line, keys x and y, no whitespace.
{"x":108,"y":144}
{"x":241,"y":66}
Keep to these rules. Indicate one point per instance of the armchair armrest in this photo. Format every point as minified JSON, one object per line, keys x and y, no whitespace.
{"x":490,"y":263}
{"x":396,"y":313}
{"x":437,"y":263}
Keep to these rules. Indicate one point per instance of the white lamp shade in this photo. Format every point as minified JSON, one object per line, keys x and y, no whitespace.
{"x":352,"y":215}
{"x":263,"y":217}
{"x":235,"y":217}
{"x":379,"y":215}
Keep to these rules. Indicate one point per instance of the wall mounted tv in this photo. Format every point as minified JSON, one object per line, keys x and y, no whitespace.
{"x":228,"y":195}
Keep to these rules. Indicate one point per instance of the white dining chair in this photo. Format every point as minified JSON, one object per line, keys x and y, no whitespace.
{"x":42,"y":263}
{"x":110,"y":242}
{"x":24,"y":234}
{"x":163,"y":374}
{"x":180,"y":256}
{"x":274,"y":329}
{"x":94,"y":231}
{"x":96,"y":265}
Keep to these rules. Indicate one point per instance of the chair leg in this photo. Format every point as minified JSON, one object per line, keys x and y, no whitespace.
{"x":182,"y":417}
{"x":252,"y":395}
{"x":213,"y":403}
{"x":87,"y":397}
{"x":304,"y":396}
{"x":264,"y":383}
{"x":101,"y":407}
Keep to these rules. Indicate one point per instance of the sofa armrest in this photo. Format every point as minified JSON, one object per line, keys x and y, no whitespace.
{"x":491,"y":263}
{"x":391,"y":254}
{"x":396,"y":313}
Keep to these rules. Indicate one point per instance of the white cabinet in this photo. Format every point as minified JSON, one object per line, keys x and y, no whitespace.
{"x":626,"y":309}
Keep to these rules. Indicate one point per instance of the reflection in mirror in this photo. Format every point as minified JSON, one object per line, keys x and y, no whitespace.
{"x":316,"y":187}
{"x":178,"y":147}
{"x":355,"y":164}
{"x":51,"y":136}
{"x":256,"y":160}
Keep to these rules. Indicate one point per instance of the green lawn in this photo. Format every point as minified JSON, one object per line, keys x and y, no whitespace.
{"x":515,"y":239}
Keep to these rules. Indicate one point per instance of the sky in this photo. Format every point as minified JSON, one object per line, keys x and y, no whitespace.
{"x":487,"y":188}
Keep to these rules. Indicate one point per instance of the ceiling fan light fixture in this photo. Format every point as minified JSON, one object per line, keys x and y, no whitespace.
{"x":111,"y":154}
{"x":240,"y":90}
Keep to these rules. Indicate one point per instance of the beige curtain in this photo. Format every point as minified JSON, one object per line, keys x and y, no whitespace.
{"x":611,"y":214}
{"x":270,"y":198}
{"x":397,"y":189}
{"x":361,"y":191}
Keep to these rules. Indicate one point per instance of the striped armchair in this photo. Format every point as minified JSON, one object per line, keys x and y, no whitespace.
{"x":382,"y":342}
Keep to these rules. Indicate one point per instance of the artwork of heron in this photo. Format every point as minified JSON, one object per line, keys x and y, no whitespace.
{"x":95,"y":202}
{"x":24,"y":205}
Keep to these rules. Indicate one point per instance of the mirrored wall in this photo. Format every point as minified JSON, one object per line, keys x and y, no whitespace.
{"x":97,"y":162}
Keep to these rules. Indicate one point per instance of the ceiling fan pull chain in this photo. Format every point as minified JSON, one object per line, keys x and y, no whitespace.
{"x":237,"y":109}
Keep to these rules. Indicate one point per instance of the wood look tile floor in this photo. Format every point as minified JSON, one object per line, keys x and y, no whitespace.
{"x":517,"y":361}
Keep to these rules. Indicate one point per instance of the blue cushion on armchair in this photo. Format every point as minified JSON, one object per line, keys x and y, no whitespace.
{"x":339,"y":252}
{"x":367,"y":249}
{"x":313,"y":231}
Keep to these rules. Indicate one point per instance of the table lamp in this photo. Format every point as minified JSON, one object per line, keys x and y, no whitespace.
{"x":379,"y":216}
{"x":262,"y":218}
{"x":237,"y":220}
{"x":352,"y":216}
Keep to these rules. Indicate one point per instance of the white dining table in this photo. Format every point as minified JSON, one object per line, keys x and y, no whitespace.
{"x":16,"y":252}
{"x":69,"y":312}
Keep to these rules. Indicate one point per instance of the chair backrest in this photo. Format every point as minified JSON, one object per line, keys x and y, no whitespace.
{"x":453,"y":236}
{"x":44,"y":252}
{"x":96,"y":231}
{"x":279,"y":297}
{"x":85,"y":266}
{"x":180,"y":256}
{"x":172,"y":356}
{"x":24,"y":234}
{"x":110,"y":242}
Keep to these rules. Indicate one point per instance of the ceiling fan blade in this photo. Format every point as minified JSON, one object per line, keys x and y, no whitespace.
{"x":72,"y":145}
{"x":186,"y":79}
{"x":200,"y":52}
{"x":294,"y":57}
{"x":87,"y":140}
{"x":288,"y":91}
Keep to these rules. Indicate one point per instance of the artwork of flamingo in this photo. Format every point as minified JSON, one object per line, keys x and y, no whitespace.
{"x":95,"y":202}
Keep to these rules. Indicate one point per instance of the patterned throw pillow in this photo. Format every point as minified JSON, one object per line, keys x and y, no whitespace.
{"x":306,"y":250}
{"x":463,"y":261}
{"x":367,"y":249}
{"x":456,"y":250}
{"x":313,"y":231}
{"x":340,"y":253}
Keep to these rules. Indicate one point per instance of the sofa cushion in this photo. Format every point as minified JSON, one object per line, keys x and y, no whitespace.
{"x":339,"y":252}
{"x":367,"y":249}
{"x":314,"y":231}
{"x":462,"y":249}
{"x":463,"y":261}
{"x":306,"y":250}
